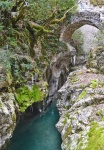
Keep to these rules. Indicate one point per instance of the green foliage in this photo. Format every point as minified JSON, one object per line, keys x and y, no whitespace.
{"x":74,"y":79}
{"x":18,"y":34}
{"x":1,"y":34}
{"x":100,"y":37}
{"x":37,"y":94}
{"x":0,"y":105}
{"x":82,"y":95}
{"x":101,"y":114}
{"x":78,"y":40}
{"x":95,"y":137}
{"x":52,"y":45}
{"x":19,"y":66}
{"x":67,"y":132}
{"x":64,"y":121}
{"x":9,"y":78}
{"x":25,"y":96}
{"x":5,"y":60}
{"x":97,"y":2}
{"x":6,"y":5}
{"x":12,"y":43}
{"x":43,"y":9}
{"x":1,"y":27}
{"x":95,"y":83}
{"x":15,"y":67}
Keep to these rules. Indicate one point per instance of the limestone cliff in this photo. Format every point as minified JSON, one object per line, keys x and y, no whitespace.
{"x":81,"y":104}
{"x":7,"y":116}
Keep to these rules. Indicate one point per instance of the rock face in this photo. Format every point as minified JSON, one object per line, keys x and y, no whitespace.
{"x":7,"y":117}
{"x":81,"y":104}
{"x":96,"y":59}
{"x":58,"y":71}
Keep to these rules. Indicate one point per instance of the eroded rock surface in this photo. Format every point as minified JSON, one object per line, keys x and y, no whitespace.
{"x":7,"y":117}
{"x":96,"y":59}
{"x":81,"y":103}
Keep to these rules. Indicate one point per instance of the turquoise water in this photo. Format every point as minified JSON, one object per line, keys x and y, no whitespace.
{"x":37,"y":134}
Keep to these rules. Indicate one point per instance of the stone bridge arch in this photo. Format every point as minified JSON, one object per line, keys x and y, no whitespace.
{"x":61,"y":63}
{"x":78,"y":20}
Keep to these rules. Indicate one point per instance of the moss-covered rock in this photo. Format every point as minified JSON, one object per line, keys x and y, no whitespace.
{"x":7,"y":116}
{"x":82,"y":123}
{"x":96,"y":59}
{"x":96,"y":136}
{"x":97,"y":2}
{"x":26,"y":96}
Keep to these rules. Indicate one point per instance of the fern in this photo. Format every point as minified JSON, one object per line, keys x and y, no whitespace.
{"x":25,"y":96}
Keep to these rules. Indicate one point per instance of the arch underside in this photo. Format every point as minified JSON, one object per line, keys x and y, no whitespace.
{"x":78,"y":20}
{"x":70,"y":29}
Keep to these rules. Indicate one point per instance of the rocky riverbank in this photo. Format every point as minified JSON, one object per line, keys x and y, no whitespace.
{"x":81,"y":104}
{"x":7,"y":117}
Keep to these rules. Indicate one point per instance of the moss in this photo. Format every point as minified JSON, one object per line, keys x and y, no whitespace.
{"x":95,"y":83}
{"x":67,"y":132}
{"x":67,"y":115}
{"x":102,"y":69}
{"x":74,"y":79}
{"x":14,"y":117}
{"x":65,"y":121}
{"x":100,"y":113}
{"x":82,"y":95}
{"x":68,"y":145}
{"x":67,"y":107}
{"x":80,"y":144}
{"x":9,"y":78}
{"x":25,"y":96}
{"x":78,"y":39}
{"x":103,"y":118}
{"x":95,"y":137}
{"x":93,"y":64}
{"x":82,"y":86}
{"x":0,"y":105}
{"x":97,"y":2}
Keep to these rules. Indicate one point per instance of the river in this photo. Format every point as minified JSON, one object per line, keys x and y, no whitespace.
{"x":37,"y":133}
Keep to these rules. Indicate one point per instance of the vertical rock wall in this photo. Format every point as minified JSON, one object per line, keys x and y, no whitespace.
{"x":81,"y":104}
{"x":7,"y":117}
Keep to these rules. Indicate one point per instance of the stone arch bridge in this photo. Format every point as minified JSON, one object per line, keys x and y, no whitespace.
{"x":79,"y":19}
{"x":61,"y":62}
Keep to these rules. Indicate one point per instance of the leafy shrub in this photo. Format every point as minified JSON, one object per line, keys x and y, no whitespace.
{"x":5,"y":59}
{"x":25,"y":96}
{"x":95,"y":137}
{"x":6,"y":5}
